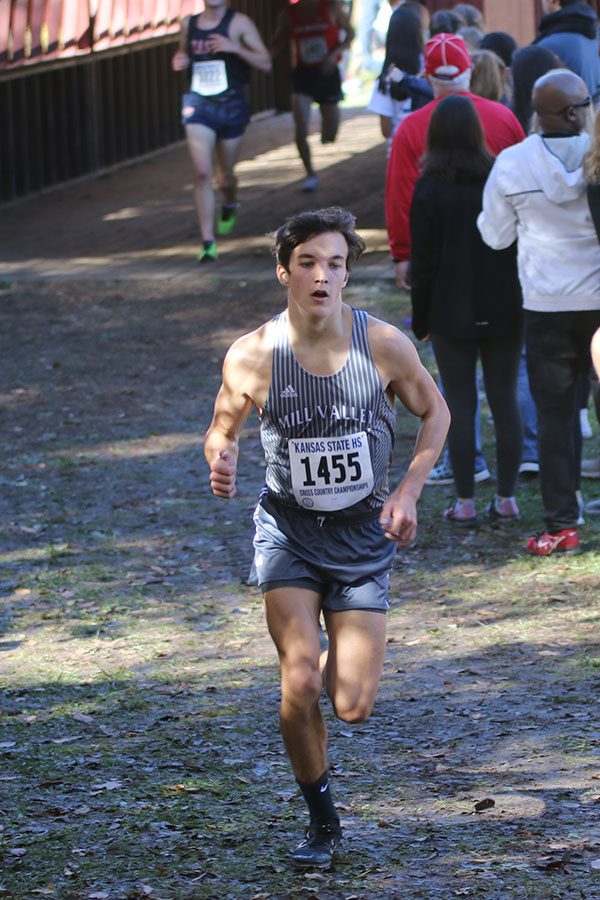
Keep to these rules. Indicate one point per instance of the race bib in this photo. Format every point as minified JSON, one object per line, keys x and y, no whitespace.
{"x":331,"y":473}
{"x":209,"y":77}
{"x":313,"y":50}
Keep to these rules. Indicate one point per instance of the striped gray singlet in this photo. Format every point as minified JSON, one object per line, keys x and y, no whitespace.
{"x":302,"y":405}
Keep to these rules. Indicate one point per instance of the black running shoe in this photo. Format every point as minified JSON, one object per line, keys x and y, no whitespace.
{"x":317,"y":849}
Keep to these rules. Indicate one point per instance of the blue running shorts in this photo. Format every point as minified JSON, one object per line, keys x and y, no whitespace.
{"x":348,"y":563}
{"x":227,"y":116}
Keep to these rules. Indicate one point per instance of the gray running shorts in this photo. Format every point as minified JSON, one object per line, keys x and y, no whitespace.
{"x":348,"y":563}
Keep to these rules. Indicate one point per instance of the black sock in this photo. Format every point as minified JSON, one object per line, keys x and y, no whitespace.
{"x":319,"y":801}
{"x":228,"y":210}
{"x":208,"y":244}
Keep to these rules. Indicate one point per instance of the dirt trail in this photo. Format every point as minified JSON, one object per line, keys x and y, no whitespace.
{"x":140,"y":754}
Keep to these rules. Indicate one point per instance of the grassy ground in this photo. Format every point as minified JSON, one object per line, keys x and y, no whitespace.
{"x":140,"y":754}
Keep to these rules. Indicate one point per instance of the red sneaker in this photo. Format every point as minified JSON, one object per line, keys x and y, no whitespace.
{"x":544,"y":544}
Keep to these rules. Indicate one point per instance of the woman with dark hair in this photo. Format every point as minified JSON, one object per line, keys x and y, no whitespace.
{"x":501,"y":43}
{"x":398,"y":90}
{"x":445,"y":21}
{"x":466,"y":299}
{"x":527,"y":66}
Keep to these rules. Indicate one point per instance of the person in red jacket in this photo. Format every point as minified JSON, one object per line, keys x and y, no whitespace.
{"x":448,"y":67}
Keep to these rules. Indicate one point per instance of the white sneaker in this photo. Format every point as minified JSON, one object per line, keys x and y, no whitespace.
{"x":441,"y":474}
{"x":529,"y":468}
{"x":310,"y":183}
{"x":586,"y":428}
{"x":590,"y":468}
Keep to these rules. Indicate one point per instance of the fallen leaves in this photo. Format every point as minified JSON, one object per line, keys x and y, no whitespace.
{"x":82,"y":717}
{"x":482,"y":805}
{"x":482,"y":672}
{"x":106,"y":786}
{"x":67,"y":740}
{"x":557,"y":859}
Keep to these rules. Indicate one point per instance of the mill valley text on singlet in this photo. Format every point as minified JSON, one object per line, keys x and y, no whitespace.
{"x":327,"y":439}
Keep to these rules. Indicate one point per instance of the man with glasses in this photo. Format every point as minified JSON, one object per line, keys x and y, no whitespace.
{"x":536,"y":193}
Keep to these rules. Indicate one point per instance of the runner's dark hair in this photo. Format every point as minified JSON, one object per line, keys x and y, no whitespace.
{"x":306,"y":225}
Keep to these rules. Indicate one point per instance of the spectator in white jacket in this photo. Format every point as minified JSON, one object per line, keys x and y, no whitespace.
{"x":536,"y":193}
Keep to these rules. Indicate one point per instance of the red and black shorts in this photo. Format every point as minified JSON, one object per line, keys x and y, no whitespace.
{"x":320,"y":87}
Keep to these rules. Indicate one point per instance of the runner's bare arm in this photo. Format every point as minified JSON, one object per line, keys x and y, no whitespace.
{"x":342,"y":20}
{"x":181,"y":59}
{"x":246,"y":376}
{"x":407,"y":379}
{"x":245,"y":41}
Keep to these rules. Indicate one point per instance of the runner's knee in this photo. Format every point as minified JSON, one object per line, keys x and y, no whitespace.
{"x":350,"y":712}
{"x":301,"y":683}
{"x":202,"y":175}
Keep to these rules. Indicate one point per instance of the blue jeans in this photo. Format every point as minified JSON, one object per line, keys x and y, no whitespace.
{"x":528,"y":413}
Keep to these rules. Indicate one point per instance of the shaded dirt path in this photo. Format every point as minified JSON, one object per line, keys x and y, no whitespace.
{"x":139,"y":749}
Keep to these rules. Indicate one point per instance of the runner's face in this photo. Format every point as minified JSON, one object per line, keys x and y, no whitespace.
{"x":317,"y":273}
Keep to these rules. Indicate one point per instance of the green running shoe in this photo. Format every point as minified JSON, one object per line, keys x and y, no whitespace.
{"x":208,"y":253}
{"x":226,"y":223}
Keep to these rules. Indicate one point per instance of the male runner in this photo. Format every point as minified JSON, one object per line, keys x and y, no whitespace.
{"x":324,"y":378}
{"x":219,"y":46}
{"x":320,"y":31}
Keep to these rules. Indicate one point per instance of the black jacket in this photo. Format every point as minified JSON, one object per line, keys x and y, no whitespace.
{"x":575,"y":19}
{"x":460,"y":287}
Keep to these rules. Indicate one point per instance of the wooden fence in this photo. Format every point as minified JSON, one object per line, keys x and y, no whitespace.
{"x":80,"y":95}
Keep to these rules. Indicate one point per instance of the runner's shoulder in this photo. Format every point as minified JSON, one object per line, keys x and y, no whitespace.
{"x":252,"y":353}
{"x":382,"y":332}
{"x":240,"y":24}
{"x":388,"y":344}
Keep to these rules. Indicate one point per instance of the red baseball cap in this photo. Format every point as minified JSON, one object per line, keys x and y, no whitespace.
{"x":446,"y":56}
